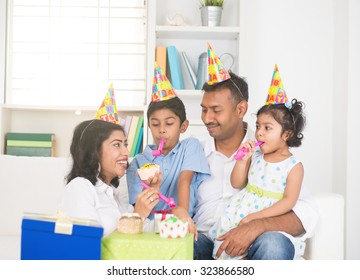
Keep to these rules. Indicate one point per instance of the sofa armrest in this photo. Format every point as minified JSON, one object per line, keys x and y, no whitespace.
{"x":328,"y":240}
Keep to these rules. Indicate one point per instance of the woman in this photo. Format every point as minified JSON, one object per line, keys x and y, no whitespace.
{"x":100,"y":157}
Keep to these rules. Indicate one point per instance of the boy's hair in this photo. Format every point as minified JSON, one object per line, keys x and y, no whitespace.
{"x":237,"y":86}
{"x":291,"y":120}
{"x":175,"y":105}
{"x":86,"y":146}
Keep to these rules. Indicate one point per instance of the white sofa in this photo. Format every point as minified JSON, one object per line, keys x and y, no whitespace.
{"x":30,"y":184}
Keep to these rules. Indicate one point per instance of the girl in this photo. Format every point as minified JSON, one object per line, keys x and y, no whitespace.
{"x":270,"y":177}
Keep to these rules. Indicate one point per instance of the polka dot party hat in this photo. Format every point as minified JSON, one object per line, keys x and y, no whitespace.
{"x":216,"y":70}
{"x":276,"y":93}
{"x":108,"y":110}
{"x":162,"y":88}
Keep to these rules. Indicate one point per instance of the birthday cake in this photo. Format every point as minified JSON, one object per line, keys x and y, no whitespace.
{"x":130,"y":223}
{"x":148,"y":170}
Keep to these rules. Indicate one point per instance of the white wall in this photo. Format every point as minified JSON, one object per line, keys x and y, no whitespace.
{"x":316,"y":48}
{"x":352,"y":139}
{"x":2,"y":49}
{"x":300,"y":41}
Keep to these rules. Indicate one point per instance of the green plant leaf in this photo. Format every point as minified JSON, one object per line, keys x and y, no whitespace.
{"x":218,"y":3}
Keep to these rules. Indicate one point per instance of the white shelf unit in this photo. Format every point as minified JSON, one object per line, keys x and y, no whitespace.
{"x":192,"y":39}
{"x":55,"y":119}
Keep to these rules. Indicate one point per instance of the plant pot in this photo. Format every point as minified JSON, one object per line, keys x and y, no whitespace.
{"x":211,"y":15}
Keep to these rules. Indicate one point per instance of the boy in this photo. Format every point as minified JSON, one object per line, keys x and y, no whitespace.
{"x":182,"y":163}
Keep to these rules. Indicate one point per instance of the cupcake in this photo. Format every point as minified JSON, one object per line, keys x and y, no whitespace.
{"x":148,"y":170}
{"x":130,"y":223}
{"x":173,"y":227}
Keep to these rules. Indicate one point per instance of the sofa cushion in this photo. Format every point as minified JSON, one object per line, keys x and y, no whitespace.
{"x":29,"y":184}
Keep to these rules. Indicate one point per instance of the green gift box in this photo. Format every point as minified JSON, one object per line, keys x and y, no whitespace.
{"x":146,"y":246}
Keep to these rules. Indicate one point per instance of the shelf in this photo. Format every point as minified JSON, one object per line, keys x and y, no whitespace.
{"x":197,"y":32}
{"x":68,"y":108}
{"x":189,"y":93}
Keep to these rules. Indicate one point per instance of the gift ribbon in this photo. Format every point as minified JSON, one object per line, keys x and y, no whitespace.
{"x":163,"y":213}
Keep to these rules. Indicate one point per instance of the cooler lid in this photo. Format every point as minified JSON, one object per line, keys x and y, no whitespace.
{"x":62,"y":225}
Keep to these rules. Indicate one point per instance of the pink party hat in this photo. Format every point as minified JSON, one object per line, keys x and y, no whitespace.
{"x":276,"y":94}
{"x":108,"y":111}
{"x":216,"y":70}
{"x":162,"y":88}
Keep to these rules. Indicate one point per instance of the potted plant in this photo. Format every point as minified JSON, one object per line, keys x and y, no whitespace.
{"x":211,"y":12}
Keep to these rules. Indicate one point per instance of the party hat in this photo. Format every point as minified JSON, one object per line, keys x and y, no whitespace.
{"x":162,"y":88}
{"x":276,"y":94}
{"x":216,"y":70}
{"x":108,"y":111}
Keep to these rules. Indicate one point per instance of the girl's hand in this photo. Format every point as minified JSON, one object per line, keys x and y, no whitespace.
{"x":250,"y":217}
{"x":249,"y":148}
{"x":146,"y":201}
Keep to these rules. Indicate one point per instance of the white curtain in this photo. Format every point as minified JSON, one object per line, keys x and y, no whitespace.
{"x":67,"y":52}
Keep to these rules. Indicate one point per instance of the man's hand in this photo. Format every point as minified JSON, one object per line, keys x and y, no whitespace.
{"x":238,"y":240}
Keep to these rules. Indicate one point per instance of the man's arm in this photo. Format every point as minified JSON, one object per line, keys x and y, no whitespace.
{"x":238,"y":240}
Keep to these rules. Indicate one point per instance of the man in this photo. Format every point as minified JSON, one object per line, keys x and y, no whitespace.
{"x":224,"y":106}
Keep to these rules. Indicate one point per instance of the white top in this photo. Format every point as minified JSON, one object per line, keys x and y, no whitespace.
{"x":215,"y":192}
{"x":101,"y":203}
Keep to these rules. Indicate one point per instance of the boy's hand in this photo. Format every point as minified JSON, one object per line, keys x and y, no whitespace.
{"x":182,"y":214}
{"x":154,"y":181}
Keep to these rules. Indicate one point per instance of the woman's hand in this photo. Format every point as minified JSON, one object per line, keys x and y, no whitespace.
{"x":146,"y":201}
{"x":182,"y":214}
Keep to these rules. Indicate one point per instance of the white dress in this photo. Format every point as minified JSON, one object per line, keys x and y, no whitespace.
{"x":266,"y":185}
{"x":81,"y":199}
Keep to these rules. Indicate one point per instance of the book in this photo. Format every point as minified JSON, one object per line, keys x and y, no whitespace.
{"x":30,"y":151}
{"x":30,"y":136}
{"x":176,"y":77}
{"x":29,"y":143}
{"x":127,"y":124}
{"x":160,"y":57}
{"x":140,"y":140}
{"x":132,"y":131}
{"x":137,"y":133}
{"x":190,"y":69}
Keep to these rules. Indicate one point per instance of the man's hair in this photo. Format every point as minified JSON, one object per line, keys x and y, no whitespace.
{"x":174,"y":104}
{"x":85,"y":149}
{"x":237,"y":86}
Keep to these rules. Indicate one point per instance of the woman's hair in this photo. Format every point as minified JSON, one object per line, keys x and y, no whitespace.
{"x":175,"y":105}
{"x":85,"y":149}
{"x":291,"y":120}
{"x":237,"y":86}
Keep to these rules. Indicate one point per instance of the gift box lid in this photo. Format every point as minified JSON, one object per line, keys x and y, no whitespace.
{"x":61,"y":225}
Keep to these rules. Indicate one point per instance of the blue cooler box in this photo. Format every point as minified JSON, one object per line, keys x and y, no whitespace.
{"x":52,"y":238}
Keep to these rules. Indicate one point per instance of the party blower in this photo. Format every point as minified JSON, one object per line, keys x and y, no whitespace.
{"x":168,"y":200}
{"x":158,"y":152}
{"x":241,"y":152}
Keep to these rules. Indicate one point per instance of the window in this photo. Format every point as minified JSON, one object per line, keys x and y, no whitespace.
{"x":67,"y":52}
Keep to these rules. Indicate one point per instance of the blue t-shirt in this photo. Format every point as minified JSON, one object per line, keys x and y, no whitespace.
{"x":188,"y":154}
